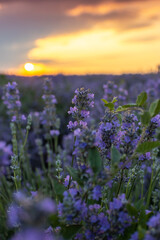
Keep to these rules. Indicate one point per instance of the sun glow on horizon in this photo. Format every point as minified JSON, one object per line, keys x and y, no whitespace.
{"x":97,"y":51}
{"x":114,"y":43}
{"x":29,"y":67}
{"x":86,"y":37}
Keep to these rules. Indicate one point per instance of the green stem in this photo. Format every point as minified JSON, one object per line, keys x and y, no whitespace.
{"x":128,"y":186}
{"x":131,"y":109}
{"x":52,"y":184}
{"x":142,"y":191}
{"x":25,"y":141}
{"x":131,"y":188}
{"x":151,"y":187}
{"x":121,"y":179}
{"x":72,"y":161}
{"x":55,"y":143}
{"x":15,"y":181}
{"x":42,"y":163}
{"x":20,"y":130}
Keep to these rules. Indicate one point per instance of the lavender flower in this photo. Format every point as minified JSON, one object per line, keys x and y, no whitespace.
{"x":111,"y":89}
{"x":97,"y":194}
{"x":118,"y":216}
{"x":34,"y":234}
{"x":107,"y":133}
{"x":5,"y":153}
{"x":151,"y":130}
{"x":154,"y":228}
{"x":134,"y":236}
{"x":83,"y":101}
{"x":128,"y":136}
{"x":29,"y":211}
{"x":85,"y":139}
{"x":12,"y":101}
{"x":49,"y":117}
{"x":72,"y":209}
{"x":96,"y":224}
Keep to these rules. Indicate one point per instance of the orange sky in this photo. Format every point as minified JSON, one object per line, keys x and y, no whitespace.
{"x":94,"y":37}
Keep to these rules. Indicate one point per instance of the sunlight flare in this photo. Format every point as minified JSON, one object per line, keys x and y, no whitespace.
{"x":29,"y":67}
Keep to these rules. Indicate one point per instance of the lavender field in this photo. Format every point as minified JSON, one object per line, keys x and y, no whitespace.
{"x":80,"y":157}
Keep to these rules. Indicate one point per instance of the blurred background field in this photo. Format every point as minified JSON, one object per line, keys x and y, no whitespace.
{"x":125,"y":87}
{"x":31,"y":89}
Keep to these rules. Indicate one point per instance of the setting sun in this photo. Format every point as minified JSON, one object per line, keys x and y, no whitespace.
{"x":29,"y":67}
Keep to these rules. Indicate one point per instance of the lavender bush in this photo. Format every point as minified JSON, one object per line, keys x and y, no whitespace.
{"x":97,"y":178}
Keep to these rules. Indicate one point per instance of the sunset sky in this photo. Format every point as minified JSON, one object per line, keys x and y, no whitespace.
{"x":79,"y":36}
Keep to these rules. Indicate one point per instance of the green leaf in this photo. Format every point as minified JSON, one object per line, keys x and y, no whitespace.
{"x":95,"y":160}
{"x":75,"y":176}
{"x":128,"y":232}
{"x":139,"y":204}
{"x":132,"y":210}
{"x":143,"y":218}
{"x":141,"y":233}
{"x":104,"y":100}
{"x":145,"y":118}
{"x":125,"y":107}
{"x":114,"y":100}
{"x":154,"y":108}
{"x":150,"y":214}
{"x":110,"y":106}
{"x":141,"y":99}
{"x":69,"y":232}
{"x":129,"y":105}
{"x":119,"y":109}
{"x":115,"y":156}
{"x":147,"y":147}
{"x":59,"y":189}
{"x":54,"y":220}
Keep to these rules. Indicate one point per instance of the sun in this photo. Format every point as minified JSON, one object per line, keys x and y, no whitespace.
{"x":29,"y":67}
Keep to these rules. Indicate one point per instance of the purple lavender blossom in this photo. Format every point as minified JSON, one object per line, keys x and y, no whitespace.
{"x":96,"y":194}
{"x":151,"y":130}
{"x":34,"y":234}
{"x":49,"y":118}
{"x":154,"y":228}
{"x":107,"y":133}
{"x":72,"y":209}
{"x":83,"y":101}
{"x":11,"y":99}
{"x":97,"y":224}
{"x":5,"y":154}
{"x":54,"y":133}
{"x":85,"y":139}
{"x":47,"y":205}
{"x":111,"y":89}
{"x":149,"y":237}
{"x":134,"y":236}
{"x":13,"y":215}
{"x":26,"y":211}
{"x":118,"y":215}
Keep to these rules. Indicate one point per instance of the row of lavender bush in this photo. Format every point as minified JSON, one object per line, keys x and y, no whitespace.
{"x":96,"y":178}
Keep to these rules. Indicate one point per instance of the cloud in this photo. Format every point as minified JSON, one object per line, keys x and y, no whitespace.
{"x":44,"y":61}
{"x":113,"y":15}
{"x":142,"y":40}
{"x":87,"y":2}
{"x":96,"y":51}
{"x":22,"y":22}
